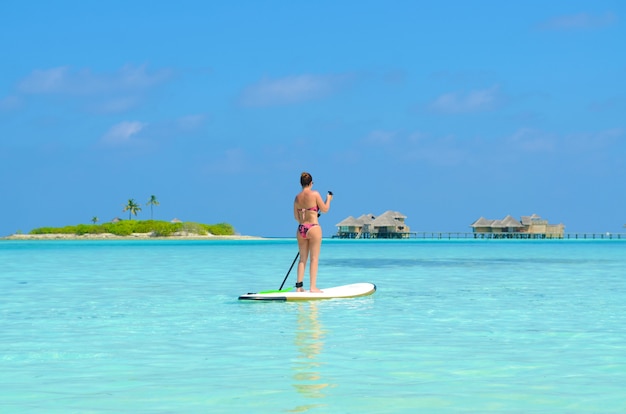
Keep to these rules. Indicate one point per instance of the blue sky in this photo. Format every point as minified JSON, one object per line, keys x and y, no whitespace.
{"x":445,"y":111}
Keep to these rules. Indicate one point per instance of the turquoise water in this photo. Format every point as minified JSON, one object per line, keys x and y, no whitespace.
{"x":455,"y":326}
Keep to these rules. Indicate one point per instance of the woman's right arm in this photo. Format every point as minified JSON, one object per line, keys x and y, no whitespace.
{"x":324,"y":206}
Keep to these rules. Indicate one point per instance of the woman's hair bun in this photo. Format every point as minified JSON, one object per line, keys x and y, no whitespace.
{"x":305,"y":179}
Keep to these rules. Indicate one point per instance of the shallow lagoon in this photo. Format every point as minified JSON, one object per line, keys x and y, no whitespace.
{"x":455,"y":326}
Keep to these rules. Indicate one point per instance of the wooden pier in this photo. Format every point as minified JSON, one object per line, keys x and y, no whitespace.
{"x":487,"y":236}
{"x":520,"y":236}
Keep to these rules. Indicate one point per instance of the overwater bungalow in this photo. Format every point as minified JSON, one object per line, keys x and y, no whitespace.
{"x":529,"y":227}
{"x":389,"y":225}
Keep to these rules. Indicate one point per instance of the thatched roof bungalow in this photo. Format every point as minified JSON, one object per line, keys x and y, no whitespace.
{"x":390,"y":224}
{"x":482,"y":225}
{"x":532,"y":225}
{"x":506,"y":225}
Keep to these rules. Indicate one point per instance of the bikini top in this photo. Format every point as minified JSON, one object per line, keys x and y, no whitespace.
{"x":314,"y":208}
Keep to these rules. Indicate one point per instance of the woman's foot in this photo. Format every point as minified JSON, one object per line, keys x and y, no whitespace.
{"x":316,"y":290}
{"x":299,"y":287}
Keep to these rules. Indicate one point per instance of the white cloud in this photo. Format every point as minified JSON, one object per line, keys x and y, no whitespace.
{"x":609,"y":104}
{"x":593,"y":141}
{"x":444,"y":151}
{"x":191,"y":122}
{"x":99,"y":92}
{"x":115,"y":105}
{"x":416,"y":137}
{"x":121,"y":133}
{"x":578,"y":21}
{"x":44,"y":81}
{"x":380,"y":137}
{"x":474,"y":101}
{"x":413,"y":147}
{"x":288,"y":90}
{"x":65,"y":80}
{"x":10,"y":102}
{"x":531,"y":140}
{"x":231,"y":161}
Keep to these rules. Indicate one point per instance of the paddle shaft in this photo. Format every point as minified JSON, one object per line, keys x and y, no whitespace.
{"x":289,"y":271}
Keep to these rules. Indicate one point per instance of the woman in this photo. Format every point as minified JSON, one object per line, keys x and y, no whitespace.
{"x":307,"y":205}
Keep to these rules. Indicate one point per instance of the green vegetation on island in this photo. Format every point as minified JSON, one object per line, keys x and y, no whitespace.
{"x":155,"y":227}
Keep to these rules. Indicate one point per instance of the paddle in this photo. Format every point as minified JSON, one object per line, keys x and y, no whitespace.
{"x":289,"y":271}
{"x":280,"y":289}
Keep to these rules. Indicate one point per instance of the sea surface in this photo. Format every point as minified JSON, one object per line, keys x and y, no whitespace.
{"x":502,"y":326}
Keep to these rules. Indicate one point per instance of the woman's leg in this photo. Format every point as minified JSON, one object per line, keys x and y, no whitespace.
{"x":315,"y":245}
{"x":303,"y":248}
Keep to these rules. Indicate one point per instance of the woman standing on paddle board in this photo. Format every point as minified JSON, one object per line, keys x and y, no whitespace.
{"x":307,"y":205}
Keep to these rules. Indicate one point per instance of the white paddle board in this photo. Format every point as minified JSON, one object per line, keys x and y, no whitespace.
{"x":346,"y":291}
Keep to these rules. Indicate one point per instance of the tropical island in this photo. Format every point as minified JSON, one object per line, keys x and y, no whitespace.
{"x":133,"y":229}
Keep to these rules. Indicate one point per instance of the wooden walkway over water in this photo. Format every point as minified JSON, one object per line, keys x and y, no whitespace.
{"x":501,"y":236}
{"x":521,"y":236}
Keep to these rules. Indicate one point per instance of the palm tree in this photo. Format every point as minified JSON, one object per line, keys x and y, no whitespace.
{"x":132,"y":207}
{"x":152,"y":202}
{"x":95,"y":219}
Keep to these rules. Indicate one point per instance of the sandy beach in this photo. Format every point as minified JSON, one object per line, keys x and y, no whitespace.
{"x":134,"y":236}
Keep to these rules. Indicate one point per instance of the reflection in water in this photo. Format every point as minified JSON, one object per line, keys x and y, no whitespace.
{"x":309,"y":341}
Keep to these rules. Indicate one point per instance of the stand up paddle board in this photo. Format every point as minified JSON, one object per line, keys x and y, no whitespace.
{"x":346,"y":291}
